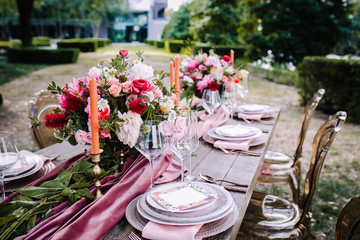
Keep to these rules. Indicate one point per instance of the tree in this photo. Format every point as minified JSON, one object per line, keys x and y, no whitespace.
{"x":215,"y":21}
{"x":294,"y":29}
{"x":8,"y":13}
{"x":25,"y":8}
{"x":178,"y":26}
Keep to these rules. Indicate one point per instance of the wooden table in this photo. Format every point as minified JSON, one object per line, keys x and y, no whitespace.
{"x":208,"y":160}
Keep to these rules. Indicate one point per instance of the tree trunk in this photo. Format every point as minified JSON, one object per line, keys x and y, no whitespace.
{"x":25,"y":8}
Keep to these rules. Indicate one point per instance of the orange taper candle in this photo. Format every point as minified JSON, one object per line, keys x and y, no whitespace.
{"x":177,"y":84}
{"x":94,"y":116}
{"x":232,"y":56}
{"x":172,"y":82}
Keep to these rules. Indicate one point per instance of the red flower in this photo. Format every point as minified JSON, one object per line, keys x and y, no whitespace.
{"x":213,"y":86}
{"x":123,"y":52}
{"x":104,"y":114}
{"x":140,"y":86}
{"x":138,"y":105}
{"x":55,"y":120}
{"x":236,"y":80}
{"x":226,"y":58}
{"x":70,"y":102}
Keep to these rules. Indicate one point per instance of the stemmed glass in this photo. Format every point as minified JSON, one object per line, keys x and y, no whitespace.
{"x":180,"y":143}
{"x":150,"y":143}
{"x":211,"y":100}
{"x":242,"y":89}
{"x":9,"y":155}
{"x":193,"y":140}
{"x":228,"y":98}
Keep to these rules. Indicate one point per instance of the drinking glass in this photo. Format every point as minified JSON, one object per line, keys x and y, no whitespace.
{"x":180,"y":143}
{"x":193,"y":140}
{"x":211,"y":100}
{"x":242,"y":89}
{"x":228,"y":99}
{"x":150,"y":143}
{"x":9,"y":155}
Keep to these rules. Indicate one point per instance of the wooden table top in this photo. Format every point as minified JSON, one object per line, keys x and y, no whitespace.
{"x":208,"y":160}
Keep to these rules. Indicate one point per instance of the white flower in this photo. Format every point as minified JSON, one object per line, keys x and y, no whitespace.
{"x":129,"y":128}
{"x":188,"y":80}
{"x":243,"y":74}
{"x":224,"y":63}
{"x":166,"y":104}
{"x":102,"y":104}
{"x":200,"y":57}
{"x":108,"y":73}
{"x":172,"y":116}
{"x":229,"y":70}
{"x":140,"y":71}
{"x":94,"y":71}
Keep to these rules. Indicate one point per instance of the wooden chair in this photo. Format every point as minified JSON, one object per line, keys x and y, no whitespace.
{"x":348,"y":223}
{"x":271,"y":217}
{"x":44,"y":102}
{"x":285,"y":169}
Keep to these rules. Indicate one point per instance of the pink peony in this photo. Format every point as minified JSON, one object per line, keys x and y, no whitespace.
{"x":158,"y":93}
{"x":114,"y":81}
{"x":202,"y":68}
{"x":197,"y":75}
{"x":114,"y":90}
{"x":127,"y":87}
{"x":140,"y":86}
{"x":150,"y":95}
{"x":192,"y":65}
{"x":83,"y":137}
{"x":123,"y":52}
{"x":213,"y":61}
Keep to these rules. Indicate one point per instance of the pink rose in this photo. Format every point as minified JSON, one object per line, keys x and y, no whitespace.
{"x":114,"y":81}
{"x":197,"y":75}
{"x":173,"y":97}
{"x":192,"y":65}
{"x":140,"y":85}
{"x":127,"y":87}
{"x":166,"y":128}
{"x":158,"y":93}
{"x":225,"y":79}
{"x":150,"y":95}
{"x":83,"y":137}
{"x":123,"y":52}
{"x":114,"y":90}
{"x":202,"y":68}
{"x":226,"y":58}
{"x":200,"y":85}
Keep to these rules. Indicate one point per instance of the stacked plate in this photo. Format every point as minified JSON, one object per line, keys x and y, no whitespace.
{"x":182,"y":204}
{"x":29,"y":168}
{"x":253,"y":108}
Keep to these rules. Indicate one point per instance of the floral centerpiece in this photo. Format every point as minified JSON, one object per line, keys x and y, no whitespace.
{"x":129,"y":92}
{"x":205,"y":71}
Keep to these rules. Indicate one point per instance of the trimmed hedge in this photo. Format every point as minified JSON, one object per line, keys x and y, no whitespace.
{"x":85,"y":45}
{"x":173,"y":46}
{"x":102,"y":42}
{"x":35,"y":55}
{"x":159,"y":44}
{"x":339,"y":78}
{"x":41,"y":41}
{"x":221,"y":49}
{"x":9,"y":44}
{"x":150,"y":42}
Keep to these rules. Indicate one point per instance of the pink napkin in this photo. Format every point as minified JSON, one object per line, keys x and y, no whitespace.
{"x":93,"y":219}
{"x":242,"y":145}
{"x":209,"y":121}
{"x":157,"y":231}
{"x":266,"y":171}
{"x":252,"y":116}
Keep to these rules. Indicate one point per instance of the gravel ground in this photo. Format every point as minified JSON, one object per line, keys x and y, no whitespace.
{"x":344,"y":155}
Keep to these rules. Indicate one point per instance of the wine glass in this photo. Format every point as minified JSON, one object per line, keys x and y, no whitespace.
{"x":150,"y":143}
{"x":228,"y":98}
{"x":193,"y":140}
{"x":9,"y":155}
{"x":180,"y":143}
{"x":211,"y":100}
{"x":242,"y":89}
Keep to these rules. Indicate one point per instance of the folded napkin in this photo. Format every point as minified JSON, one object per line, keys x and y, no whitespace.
{"x":93,"y":219}
{"x":242,"y":145}
{"x":252,"y":116}
{"x":210,"y":121}
{"x":266,"y":171}
{"x":157,"y":231}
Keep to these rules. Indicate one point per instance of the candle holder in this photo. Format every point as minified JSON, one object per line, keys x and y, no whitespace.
{"x":97,"y":172}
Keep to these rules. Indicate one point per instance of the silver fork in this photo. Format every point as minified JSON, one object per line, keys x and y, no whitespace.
{"x":133,"y":236}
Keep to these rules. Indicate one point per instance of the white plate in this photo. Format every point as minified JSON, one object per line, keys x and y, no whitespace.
{"x":219,"y":209}
{"x":234,"y":131}
{"x":161,"y":188}
{"x":24,"y":164}
{"x":39,"y":162}
{"x":212,"y":133}
{"x":253,"y":108}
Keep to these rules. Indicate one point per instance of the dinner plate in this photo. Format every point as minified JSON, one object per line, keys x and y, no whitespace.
{"x":255,"y":142}
{"x":24,"y":164}
{"x":220,"y":208}
{"x":232,"y":131}
{"x":207,"y":230}
{"x":253,"y":108}
{"x":164,"y":187}
{"x":212,"y":133}
{"x":39,"y":162}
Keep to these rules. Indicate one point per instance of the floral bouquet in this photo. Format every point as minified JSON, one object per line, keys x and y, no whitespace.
{"x":207,"y":72}
{"x":129,"y":93}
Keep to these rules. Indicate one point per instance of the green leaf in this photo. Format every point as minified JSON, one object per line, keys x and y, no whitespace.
{"x":72,"y":140}
{"x":53,"y":184}
{"x":78,"y":185}
{"x":46,"y":214}
{"x":74,"y":197}
{"x":31,"y":223}
{"x":64,"y":177}
{"x":82,"y":166}
{"x":7,"y":208}
{"x":85,"y":193}
{"x":38,"y":192}
{"x":67,"y":192}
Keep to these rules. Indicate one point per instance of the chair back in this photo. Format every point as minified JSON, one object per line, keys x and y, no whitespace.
{"x":323,"y":139}
{"x":306,"y":116}
{"x":348,"y":223}
{"x":44,"y":102}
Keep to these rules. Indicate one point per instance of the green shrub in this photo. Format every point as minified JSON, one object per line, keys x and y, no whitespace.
{"x":35,"y":55}
{"x":340,"y":79}
{"x":221,"y":49}
{"x":10,"y":44}
{"x":174,"y":46}
{"x":85,"y":45}
{"x":159,"y":44}
{"x":102,"y":42}
{"x":41,"y":41}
